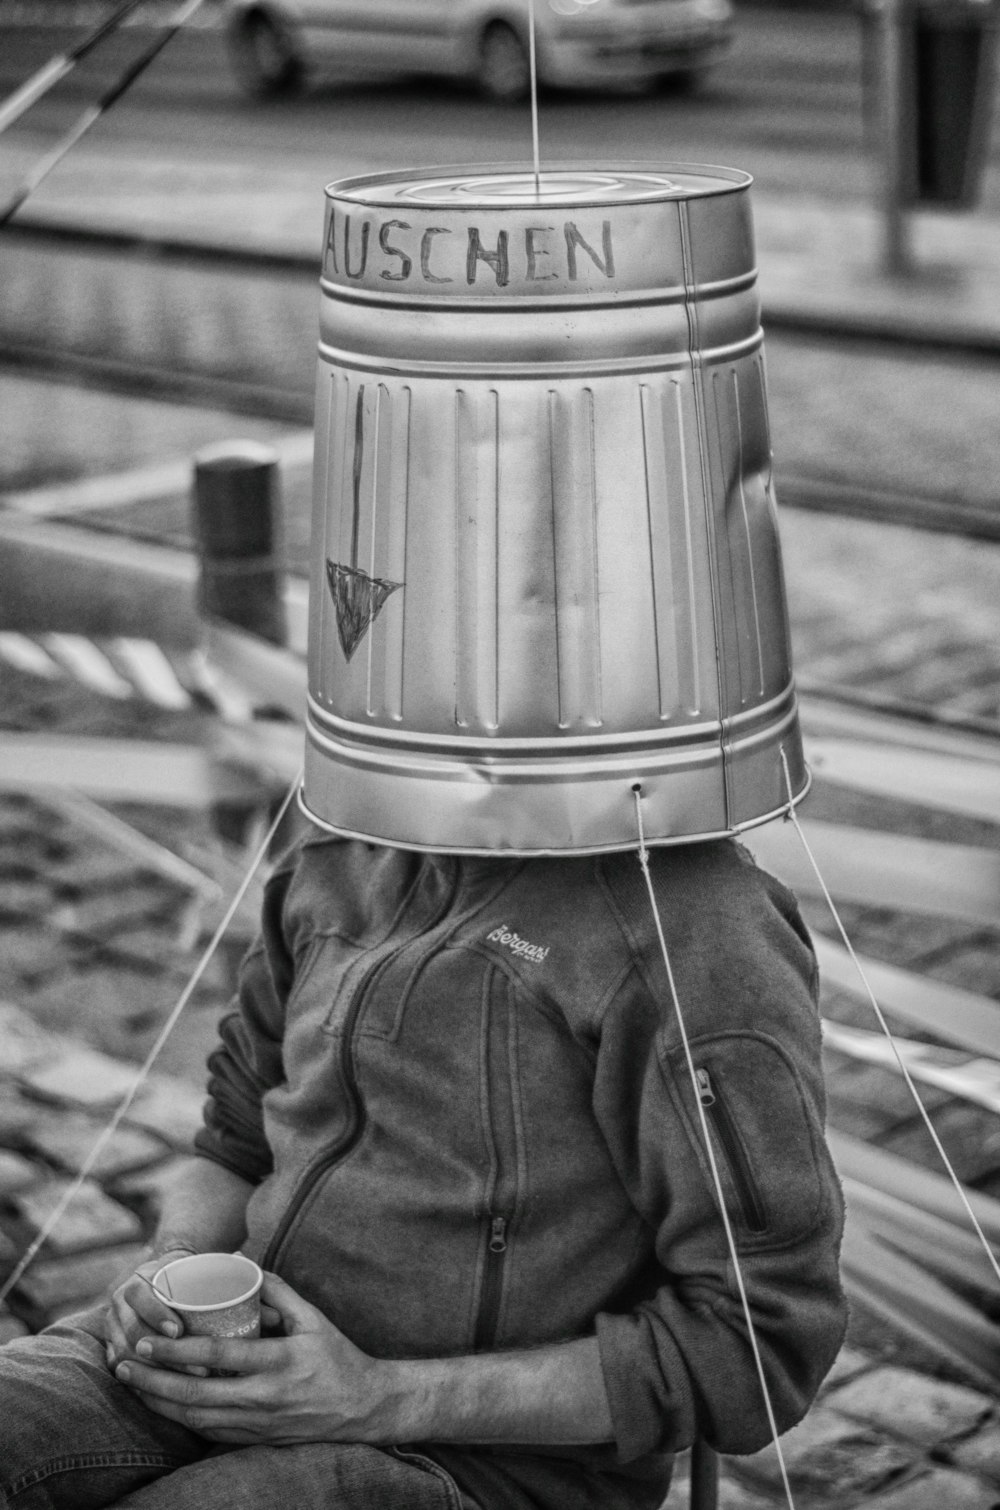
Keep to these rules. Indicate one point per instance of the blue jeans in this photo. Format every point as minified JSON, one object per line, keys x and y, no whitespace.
{"x":73,"y":1438}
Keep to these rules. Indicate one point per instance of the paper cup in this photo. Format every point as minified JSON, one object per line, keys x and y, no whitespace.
{"x":215,"y":1294}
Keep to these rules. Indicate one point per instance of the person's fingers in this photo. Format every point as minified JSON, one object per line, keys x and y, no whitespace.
{"x":115,"y":1342}
{"x":296,"y":1314}
{"x":175,"y":1387}
{"x":139,"y":1295}
{"x":231,"y":1354}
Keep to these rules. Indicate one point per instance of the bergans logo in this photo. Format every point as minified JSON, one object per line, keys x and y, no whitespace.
{"x":517,"y":945}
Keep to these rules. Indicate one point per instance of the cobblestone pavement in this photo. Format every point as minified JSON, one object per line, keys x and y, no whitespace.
{"x":96,"y":947}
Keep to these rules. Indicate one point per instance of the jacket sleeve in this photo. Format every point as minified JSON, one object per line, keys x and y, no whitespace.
{"x":248,"y":1059}
{"x":678,"y":1362}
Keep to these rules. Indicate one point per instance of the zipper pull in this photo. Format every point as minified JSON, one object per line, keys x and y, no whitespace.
{"x":706,"y":1094}
{"x":498,"y":1235}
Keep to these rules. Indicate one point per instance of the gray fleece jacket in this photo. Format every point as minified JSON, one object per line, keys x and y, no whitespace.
{"x":460,"y":1090}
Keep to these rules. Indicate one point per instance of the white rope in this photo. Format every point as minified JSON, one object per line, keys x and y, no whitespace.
{"x":56,"y":69}
{"x":57,"y":1212}
{"x":533,"y":61}
{"x":43,"y":167}
{"x":900,"y":1061}
{"x":706,"y":1136}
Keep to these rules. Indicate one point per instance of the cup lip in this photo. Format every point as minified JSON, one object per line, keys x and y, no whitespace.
{"x":222,"y":1305}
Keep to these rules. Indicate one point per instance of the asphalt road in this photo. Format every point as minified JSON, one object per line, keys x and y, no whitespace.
{"x":787,"y":101}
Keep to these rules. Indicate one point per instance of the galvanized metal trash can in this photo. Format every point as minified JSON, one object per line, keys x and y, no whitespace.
{"x":546,"y":558}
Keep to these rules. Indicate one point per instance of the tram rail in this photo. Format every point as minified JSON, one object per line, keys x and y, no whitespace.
{"x":164,"y":318}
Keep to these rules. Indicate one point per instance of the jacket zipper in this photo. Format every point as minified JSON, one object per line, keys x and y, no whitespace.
{"x":356,"y":1126}
{"x":720,"y":1117}
{"x":502,"y":1196}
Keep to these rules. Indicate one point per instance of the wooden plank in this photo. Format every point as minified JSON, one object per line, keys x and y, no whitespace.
{"x":63,"y":579}
{"x":831,"y":717}
{"x":951,"y":1070}
{"x":965,"y":1018}
{"x":914,"y":1302}
{"x":888,"y":1172}
{"x":885,"y":870}
{"x":951,"y":1251}
{"x":131,"y":841}
{"x":117,"y":770}
{"x":952,"y":783}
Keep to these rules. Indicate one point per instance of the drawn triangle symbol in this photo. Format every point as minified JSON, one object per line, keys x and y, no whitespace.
{"x":358,"y":599}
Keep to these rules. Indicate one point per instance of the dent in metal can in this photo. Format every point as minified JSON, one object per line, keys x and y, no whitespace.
{"x":546,"y":560}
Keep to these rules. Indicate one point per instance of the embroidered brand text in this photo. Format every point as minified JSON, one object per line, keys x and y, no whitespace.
{"x":517,"y":945}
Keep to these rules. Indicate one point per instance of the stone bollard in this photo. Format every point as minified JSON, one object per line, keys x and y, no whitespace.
{"x":237,"y":527}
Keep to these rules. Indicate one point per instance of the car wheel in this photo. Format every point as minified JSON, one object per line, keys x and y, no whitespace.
{"x":504,"y":69}
{"x":264,"y":59}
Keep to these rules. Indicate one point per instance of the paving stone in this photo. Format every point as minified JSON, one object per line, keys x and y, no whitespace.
{"x":93,"y":1003}
{"x":23,"y":1043}
{"x":51,"y":1285}
{"x":17,"y":1173}
{"x":91,"y":1219}
{"x":735,"y":1496}
{"x":88,"y":866}
{"x":923,"y":1410}
{"x":104,"y":914}
{"x":980,"y":1453}
{"x":151,"y":944}
{"x":171,"y":1107}
{"x":940,"y":1489}
{"x":830,"y":1452}
{"x":144,"y":1190}
{"x":66,"y":1138}
{"x":17,"y":1111}
{"x":24,"y":898}
{"x":82,"y":1076}
{"x":30,"y":950}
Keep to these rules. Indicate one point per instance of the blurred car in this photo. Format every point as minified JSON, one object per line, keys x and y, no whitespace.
{"x":274,"y":44}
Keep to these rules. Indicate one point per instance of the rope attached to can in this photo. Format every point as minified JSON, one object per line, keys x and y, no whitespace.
{"x":43,"y":167}
{"x":900,"y":1061}
{"x":56,"y":69}
{"x":58,"y":1211}
{"x":710,"y":1151}
{"x":533,"y":65}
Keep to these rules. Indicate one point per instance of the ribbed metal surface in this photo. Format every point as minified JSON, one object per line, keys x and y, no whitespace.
{"x":546,"y":556}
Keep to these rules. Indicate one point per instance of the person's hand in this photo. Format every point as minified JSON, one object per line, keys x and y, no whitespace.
{"x":135,"y":1312}
{"x":310,"y":1385}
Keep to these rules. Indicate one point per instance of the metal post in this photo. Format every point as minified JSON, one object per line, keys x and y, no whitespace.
{"x":237,"y":527}
{"x":892,"y":127}
{"x":704,"y":1477}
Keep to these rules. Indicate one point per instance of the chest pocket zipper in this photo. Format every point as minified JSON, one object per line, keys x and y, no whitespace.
{"x":720,"y":1119}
